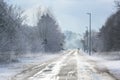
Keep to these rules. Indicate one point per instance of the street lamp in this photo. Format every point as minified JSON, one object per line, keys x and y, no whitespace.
{"x":90,"y":47}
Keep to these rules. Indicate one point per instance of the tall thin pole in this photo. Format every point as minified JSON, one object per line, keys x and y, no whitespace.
{"x":87,"y":39}
{"x":90,"y":47}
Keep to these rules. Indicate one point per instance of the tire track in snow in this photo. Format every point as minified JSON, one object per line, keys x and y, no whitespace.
{"x":51,"y":70}
{"x":69,"y":70}
{"x":32,"y":70}
{"x":70,"y":66}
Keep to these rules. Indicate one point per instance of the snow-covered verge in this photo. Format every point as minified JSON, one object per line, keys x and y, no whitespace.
{"x":108,"y":62}
{"x":9,"y":70}
{"x":113,"y":67}
{"x":108,"y":55}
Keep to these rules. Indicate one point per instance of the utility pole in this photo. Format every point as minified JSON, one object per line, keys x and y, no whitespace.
{"x":90,"y":47}
{"x":87,"y":34}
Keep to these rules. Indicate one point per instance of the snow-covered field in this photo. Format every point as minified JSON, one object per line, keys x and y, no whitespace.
{"x":26,"y":61}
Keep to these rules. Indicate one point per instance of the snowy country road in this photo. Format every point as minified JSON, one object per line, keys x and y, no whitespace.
{"x":73,"y":65}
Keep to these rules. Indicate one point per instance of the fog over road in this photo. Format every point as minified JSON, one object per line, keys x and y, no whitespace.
{"x":72,"y":65}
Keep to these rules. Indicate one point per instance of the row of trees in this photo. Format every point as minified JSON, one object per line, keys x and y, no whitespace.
{"x":21,"y":38}
{"x":110,"y":32}
{"x":10,"y":22}
{"x":96,"y":41}
{"x":108,"y":38}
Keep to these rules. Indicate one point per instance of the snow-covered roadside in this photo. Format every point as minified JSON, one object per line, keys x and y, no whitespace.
{"x":113,"y":67}
{"x":9,"y":70}
{"x":107,"y":65}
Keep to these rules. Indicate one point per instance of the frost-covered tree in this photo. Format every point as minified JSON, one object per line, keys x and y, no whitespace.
{"x":96,"y":41}
{"x":110,"y":32}
{"x":50,"y":34}
{"x":10,"y":29}
{"x":7,"y":29}
{"x":10,"y":20}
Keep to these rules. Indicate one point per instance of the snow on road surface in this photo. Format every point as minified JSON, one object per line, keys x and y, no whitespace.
{"x":70,"y":66}
{"x":50,"y":71}
{"x":25,"y":62}
{"x":87,"y":70}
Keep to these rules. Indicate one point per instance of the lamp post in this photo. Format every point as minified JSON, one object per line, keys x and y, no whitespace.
{"x":90,"y":47}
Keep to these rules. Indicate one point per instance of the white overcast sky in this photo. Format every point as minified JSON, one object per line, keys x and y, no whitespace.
{"x":71,"y":14}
